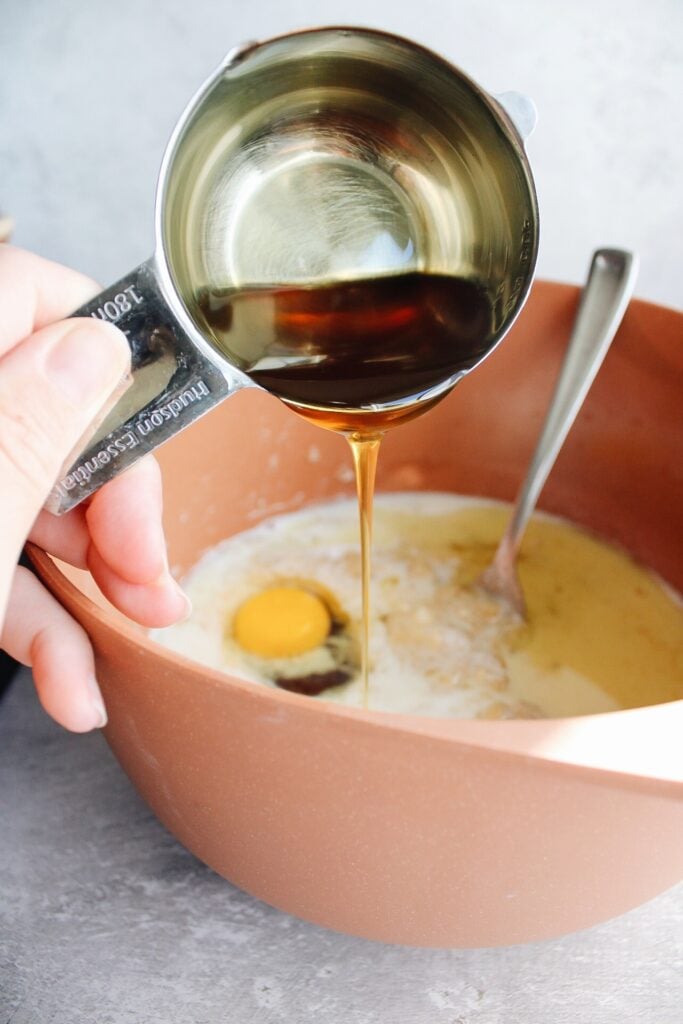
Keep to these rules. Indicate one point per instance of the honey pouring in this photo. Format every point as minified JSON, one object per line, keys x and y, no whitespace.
{"x":342,"y":218}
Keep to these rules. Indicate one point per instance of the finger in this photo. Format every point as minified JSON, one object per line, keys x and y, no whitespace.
{"x":123,"y":525}
{"x":39,"y":633}
{"x":127,"y":507}
{"x":65,"y":537}
{"x":124,"y":520}
{"x":151,"y":604}
{"x":51,"y":388}
{"x":35,"y":292}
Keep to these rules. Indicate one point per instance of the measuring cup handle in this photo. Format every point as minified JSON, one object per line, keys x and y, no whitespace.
{"x":174,"y":382}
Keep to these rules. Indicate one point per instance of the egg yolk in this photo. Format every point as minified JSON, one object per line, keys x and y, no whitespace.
{"x":281,"y":622}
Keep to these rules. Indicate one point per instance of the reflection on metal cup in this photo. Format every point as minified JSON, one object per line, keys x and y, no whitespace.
{"x":320,"y":157}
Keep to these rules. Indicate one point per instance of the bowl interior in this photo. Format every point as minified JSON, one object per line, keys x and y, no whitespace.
{"x":619,"y":473}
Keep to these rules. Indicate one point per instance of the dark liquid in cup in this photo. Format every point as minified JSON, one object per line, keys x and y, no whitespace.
{"x":338,"y":351}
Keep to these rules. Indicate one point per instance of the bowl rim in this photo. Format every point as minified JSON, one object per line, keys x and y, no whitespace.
{"x":614,"y":749}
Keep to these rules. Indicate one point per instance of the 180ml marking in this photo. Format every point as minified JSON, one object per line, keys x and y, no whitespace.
{"x":123,"y":302}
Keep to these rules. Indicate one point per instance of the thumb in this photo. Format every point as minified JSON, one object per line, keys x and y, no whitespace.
{"x":52,"y":385}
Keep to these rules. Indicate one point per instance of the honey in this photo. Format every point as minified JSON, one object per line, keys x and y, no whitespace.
{"x":353,"y":355}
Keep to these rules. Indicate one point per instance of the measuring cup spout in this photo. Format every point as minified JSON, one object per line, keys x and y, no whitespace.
{"x":521,"y":110}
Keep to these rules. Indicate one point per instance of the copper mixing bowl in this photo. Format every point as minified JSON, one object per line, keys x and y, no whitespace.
{"x":414,"y":830}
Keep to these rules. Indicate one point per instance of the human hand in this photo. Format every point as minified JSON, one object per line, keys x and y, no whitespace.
{"x":55,"y":375}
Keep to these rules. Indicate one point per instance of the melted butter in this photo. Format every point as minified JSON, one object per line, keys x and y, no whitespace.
{"x":601,"y":628}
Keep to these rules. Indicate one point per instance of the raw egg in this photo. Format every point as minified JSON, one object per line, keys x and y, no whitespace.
{"x":281,"y":622}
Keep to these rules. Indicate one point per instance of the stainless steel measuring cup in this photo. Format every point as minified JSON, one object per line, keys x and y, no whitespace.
{"x":323,"y":155}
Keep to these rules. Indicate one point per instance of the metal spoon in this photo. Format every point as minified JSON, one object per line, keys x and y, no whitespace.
{"x":603,"y":303}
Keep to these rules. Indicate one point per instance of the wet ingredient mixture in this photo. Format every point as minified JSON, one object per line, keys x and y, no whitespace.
{"x":280,"y":604}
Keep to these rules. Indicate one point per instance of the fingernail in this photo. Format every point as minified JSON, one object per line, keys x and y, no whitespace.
{"x":97,"y":704}
{"x":182,"y":597}
{"x":186,"y":603}
{"x":86,"y":364}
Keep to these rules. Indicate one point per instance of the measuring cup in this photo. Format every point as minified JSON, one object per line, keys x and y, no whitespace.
{"x":335,"y":154}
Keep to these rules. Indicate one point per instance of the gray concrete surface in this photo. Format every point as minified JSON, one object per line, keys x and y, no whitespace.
{"x":104,"y":919}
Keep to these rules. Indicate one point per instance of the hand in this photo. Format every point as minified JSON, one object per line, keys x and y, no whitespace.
{"x":55,"y":375}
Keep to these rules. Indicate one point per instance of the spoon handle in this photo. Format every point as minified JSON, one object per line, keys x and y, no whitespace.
{"x":606,"y":295}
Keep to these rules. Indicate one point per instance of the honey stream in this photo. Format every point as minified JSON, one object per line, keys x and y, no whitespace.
{"x":365,"y":450}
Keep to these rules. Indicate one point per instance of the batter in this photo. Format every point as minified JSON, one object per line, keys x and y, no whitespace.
{"x":280,"y":604}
